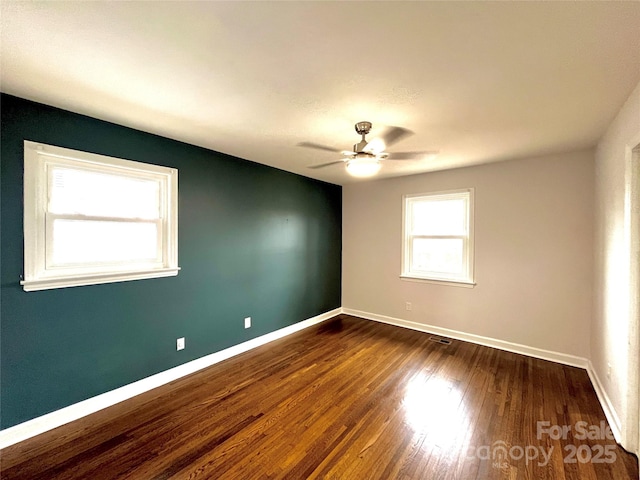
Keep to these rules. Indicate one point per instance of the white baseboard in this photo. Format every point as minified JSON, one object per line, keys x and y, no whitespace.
{"x":557,"y":357}
{"x":605,"y":402}
{"x":36,"y":426}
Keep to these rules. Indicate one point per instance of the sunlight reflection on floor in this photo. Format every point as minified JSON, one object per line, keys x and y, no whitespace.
{"x":434,"y":409}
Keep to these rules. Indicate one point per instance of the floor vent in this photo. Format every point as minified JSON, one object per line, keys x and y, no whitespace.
{"x":442,"y":340}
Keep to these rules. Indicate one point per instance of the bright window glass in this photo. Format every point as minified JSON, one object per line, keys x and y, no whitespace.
{"x":87,"y":192}
{"x":82,"y":242}
{"x":441,"y":255}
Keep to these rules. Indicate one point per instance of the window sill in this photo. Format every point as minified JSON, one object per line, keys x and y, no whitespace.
{"x":435,"y":281}
{"x":95,"y":279}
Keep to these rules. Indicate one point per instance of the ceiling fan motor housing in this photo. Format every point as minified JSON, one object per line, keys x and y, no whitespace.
{"x":363,"y":128}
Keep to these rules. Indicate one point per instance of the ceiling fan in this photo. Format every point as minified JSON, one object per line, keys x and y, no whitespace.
{"x":364,"y":160}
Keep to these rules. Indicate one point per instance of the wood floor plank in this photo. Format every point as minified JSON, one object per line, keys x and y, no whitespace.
{"x":347,"y":399}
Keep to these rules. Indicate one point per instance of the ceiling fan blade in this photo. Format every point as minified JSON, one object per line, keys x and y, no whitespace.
{"x":392,"y":135}
{"x":318,"y":146}
{"x":322,"y":165}
{"x":412,"y":155}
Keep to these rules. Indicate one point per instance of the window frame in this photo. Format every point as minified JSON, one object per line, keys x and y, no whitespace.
{"x":466,"y":279}
{"x":39,"y":272}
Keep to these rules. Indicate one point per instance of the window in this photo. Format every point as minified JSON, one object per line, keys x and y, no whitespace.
{"x":438,"y":237}
{"x":92,"y":219}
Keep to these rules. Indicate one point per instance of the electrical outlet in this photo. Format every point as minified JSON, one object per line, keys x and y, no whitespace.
{"x":608,"y":370}
{"x":180,"y":344}
{"x":247,"y":322}
{"x":408,"y":305}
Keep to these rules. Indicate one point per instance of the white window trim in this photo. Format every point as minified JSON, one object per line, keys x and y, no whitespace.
{"x":37,"y":276}
{"x":434,"y":281}
{"x":407,"y":274}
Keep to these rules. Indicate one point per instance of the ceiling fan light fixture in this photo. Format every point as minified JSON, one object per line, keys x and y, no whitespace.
{"x":363,"y":167}
{"x":364,"y":160}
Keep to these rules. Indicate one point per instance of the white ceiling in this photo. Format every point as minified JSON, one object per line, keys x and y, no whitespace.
{"x":479,"y":81}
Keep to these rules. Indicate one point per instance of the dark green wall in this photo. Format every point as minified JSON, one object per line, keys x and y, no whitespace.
{"x":253,"y":241}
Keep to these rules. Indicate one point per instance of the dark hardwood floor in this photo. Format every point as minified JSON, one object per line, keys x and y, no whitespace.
{"x":349,"y":399}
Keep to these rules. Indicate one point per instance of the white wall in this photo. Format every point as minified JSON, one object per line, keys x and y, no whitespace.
{"x":533,"y":252}
{"x":614,"y":340}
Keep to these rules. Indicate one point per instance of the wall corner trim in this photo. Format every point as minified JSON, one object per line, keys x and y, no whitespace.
{"x":540,"y":353}
{"x":57,"y":418}
{"x":605,"y":402}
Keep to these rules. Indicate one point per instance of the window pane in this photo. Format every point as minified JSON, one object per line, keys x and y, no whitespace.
{"x":84,"y":192}
{"x":438,"y":255}
{"x":80,"y":242}
{"x":439,"y":217}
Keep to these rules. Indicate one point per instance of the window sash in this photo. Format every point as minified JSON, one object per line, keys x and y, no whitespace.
{"x":414,"y":269}
{"x":88,"y":266}
{"x":97,"y":198}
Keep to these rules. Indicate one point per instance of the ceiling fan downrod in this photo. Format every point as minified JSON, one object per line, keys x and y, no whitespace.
{"x":363,"y":128}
